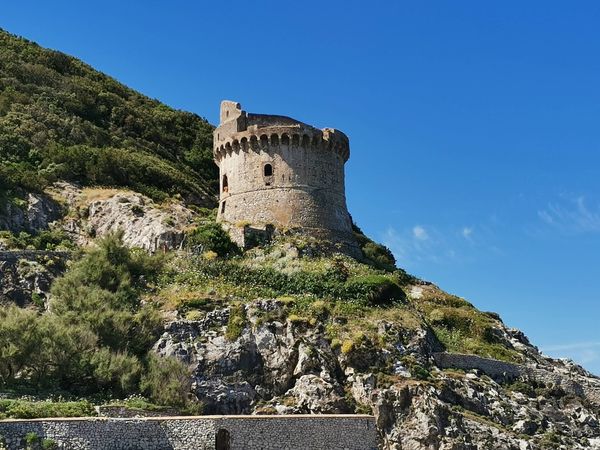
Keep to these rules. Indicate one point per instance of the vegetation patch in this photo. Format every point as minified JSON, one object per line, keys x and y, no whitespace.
{"x":25,"y":409}
{"x":61,"y":119}
{"x":54,"y":239}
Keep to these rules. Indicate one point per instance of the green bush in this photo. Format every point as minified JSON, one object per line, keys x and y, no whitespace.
{"x":98,"y":333}
{"x":377,"y":254}
{"x":48,"y":240}
{"x":236,"y":322}
{"x":23,"y":409}
{"x":378,"y":290}
{"x":210,"y":237}
{"x":269,"y":282}
{"x":49,"y":444}
{"x":167,"y":381}
{"x":31,"y":438}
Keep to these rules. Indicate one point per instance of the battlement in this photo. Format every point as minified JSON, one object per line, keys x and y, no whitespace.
{"x":241,"y":131}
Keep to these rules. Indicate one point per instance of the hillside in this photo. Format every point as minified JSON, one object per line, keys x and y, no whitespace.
{"x":119,"y":289}
{"x":62,"y":120}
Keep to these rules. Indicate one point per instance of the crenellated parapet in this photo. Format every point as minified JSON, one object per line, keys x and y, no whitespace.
{"x":260,"y":138}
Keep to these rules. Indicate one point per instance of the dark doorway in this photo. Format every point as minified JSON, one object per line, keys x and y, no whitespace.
{"x":222,"y":440}
{"x":225,"y":184}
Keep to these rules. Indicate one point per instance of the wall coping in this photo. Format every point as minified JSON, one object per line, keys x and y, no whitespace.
{"x":190,"y":418}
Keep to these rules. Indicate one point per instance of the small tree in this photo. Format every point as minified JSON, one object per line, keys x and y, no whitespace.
{"x":168,"y":381}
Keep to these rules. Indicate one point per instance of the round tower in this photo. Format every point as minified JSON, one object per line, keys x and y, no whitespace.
{"x":281,"y":173}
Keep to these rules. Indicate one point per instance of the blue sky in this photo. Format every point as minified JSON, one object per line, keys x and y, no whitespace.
{"x":474,"y":126}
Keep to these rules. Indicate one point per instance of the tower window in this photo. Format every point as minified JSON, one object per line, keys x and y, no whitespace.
{"x":268,"y":170}
{"x":223,"y":207}
{"x":225,"y":184}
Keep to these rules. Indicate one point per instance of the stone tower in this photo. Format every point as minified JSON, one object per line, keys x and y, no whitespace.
{"x":277,"y":173}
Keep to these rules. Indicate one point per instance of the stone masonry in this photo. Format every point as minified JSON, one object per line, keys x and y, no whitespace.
{"x":309,"y":432}
{"x":276,"y":171}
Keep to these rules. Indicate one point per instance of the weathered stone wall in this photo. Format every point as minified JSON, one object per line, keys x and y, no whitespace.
{"x":276,"y":170}
{"x":491,"y":367}
{"x":500,"y":370}
{"x":199,"y":433}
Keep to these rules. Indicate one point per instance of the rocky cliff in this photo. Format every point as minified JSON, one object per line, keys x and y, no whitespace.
{"x":435,"y":372}
{"x":285,"y":366}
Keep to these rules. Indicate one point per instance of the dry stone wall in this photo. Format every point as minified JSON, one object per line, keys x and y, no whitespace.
{"x":500,"y":370}
{"x":332,"y":432}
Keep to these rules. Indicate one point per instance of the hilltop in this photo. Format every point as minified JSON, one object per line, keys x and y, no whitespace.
{"x":118,"y":287}
{"x":62,"y":120}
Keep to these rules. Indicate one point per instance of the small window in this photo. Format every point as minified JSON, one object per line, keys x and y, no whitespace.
{"x":268,"y":170}
{"x":225,"y":184}
{"x":223,"y":207}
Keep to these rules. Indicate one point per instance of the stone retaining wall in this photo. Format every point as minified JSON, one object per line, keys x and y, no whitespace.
{"x":308,"y":432}
{"x":491,"y":367}
{"x":504,"y":371}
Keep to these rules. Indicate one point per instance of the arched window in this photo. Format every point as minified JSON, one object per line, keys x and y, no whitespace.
{"x":222,"y":441}
{"x":268,"y":170}
{"x":225,"y":184}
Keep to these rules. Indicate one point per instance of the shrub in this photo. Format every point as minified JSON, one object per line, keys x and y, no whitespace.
{"x":167,"y":381}
{"x":319,"y":308}
{"x":236,"y":322}
{"x":378,"y":255}
{"x":49,"y":444}
{"x":194,"y":315}
{"x":23,"y":409}
{"x":210,"y":237}
{"x":347,"y":346}
{"x":48,"y":240}
{"x":378,"y":290}
{"x":31,"y":438}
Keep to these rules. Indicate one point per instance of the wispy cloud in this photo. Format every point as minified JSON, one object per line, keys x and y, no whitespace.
{"x":572,"y":215}
{"x":420,"y":244}
{"x":467,"y":233}
{"x":420,"y":233}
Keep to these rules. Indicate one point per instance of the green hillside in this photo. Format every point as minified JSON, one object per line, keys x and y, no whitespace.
{"x":61,"y":119}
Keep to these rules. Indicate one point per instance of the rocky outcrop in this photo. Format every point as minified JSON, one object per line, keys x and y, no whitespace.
{"x":32,"y":213}
{"x":26,"y":276}
{"x":145,"y":224}
{"x":282,"y":366}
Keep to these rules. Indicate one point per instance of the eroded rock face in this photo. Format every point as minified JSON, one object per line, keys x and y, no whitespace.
{"x":145,"y":224}
{"x":36,"y":213}
{"x":278,"y":366}
{"x":87,"y":214}
{"x":27,"y":275}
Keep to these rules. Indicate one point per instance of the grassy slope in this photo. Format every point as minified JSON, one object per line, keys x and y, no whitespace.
{"x":61,"y":119}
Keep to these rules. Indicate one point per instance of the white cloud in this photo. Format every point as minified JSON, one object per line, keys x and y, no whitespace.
{"x":420,"y":233}
{"x":572,"y":215}
{"x":467,"y":233}
{"x":417,"y":245}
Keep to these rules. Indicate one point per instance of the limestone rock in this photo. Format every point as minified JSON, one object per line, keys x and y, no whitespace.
{"x":281,"y":367}
{"x":36,"y":214}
